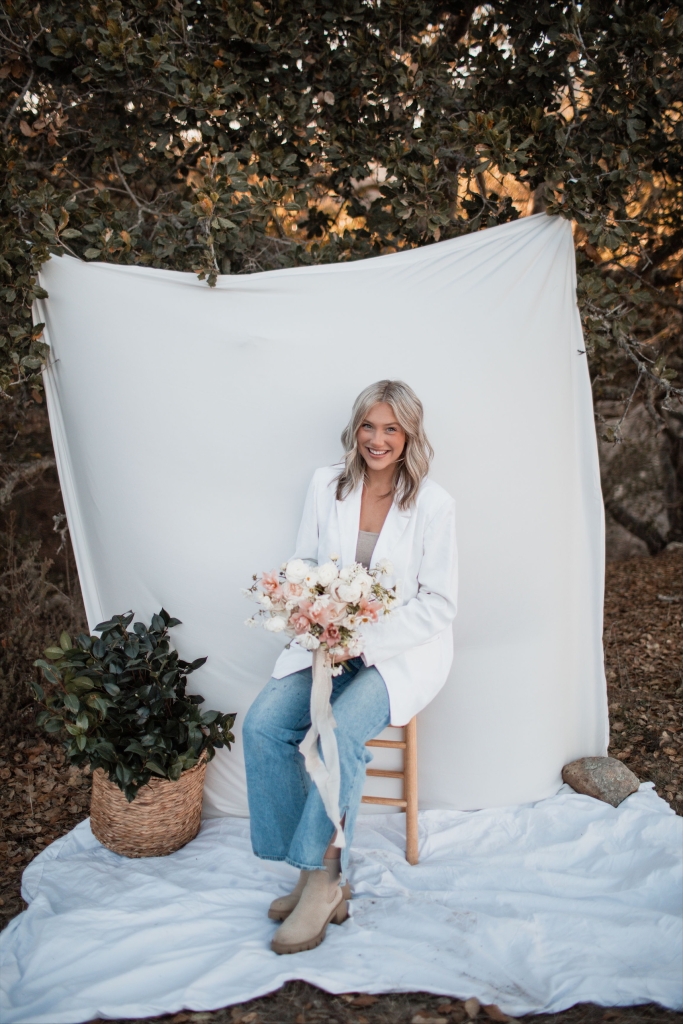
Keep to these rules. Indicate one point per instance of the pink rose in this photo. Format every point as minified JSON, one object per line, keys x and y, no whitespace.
{"x":299,"y":622}
{"x":331,"y":636}
{"x":271,"y":584}
{"x":293,"y":590}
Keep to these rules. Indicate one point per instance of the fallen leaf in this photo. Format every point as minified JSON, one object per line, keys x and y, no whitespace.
{"x":364,"y":1000}
{"x":472,"y":1007}
{"x":421,"y":1018}
{"x":26,"y":129}
{"x":495,"y":1013}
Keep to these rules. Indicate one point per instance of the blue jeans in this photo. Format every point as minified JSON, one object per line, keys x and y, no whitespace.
{"x":288,"y":819}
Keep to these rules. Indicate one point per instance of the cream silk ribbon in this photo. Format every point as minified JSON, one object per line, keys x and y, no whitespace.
{"x":324,"y":771}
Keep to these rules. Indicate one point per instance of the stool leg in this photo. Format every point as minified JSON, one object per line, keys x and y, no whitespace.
{"x":410,"y":790}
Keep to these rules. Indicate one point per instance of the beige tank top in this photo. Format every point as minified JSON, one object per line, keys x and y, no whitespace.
{"x":365,"y":547}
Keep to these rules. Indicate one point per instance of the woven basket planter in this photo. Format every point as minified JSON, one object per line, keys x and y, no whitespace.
{"x":164,"y":816}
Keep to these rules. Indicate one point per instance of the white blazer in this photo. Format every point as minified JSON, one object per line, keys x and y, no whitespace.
{"x":412,"y":648}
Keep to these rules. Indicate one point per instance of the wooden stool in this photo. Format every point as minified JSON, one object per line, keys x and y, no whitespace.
{"x":409,"y":775}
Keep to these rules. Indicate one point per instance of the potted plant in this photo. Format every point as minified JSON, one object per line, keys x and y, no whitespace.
{"x":121,"y":698}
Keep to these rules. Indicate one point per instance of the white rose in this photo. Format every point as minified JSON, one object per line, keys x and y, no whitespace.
{"x":276,"y":624}
{"x":350,"y":593}
{"x":363,"y":580}
{"x":308,"y":641}
{"x":320,"y":602}
{"x":296,"y":570}
{"x":327,"y":573}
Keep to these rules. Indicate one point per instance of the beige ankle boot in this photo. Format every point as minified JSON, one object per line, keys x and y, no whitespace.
{"x":321,"y":902}
{"x":283,"y":906}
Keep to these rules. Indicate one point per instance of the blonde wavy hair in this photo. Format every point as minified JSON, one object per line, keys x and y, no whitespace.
{"x":413,"y":466}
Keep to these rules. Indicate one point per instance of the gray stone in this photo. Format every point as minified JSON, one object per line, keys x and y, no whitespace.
{"x":605,"y":778}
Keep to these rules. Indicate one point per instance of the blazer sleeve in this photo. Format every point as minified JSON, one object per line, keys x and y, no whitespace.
{"x":307,"y":537}
{"x":433,"y":608}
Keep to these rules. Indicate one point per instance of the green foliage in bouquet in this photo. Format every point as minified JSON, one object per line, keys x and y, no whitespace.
{"x":121,"y":698}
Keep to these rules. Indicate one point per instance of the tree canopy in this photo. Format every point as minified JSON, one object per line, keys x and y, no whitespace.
{"x":228,"y":136}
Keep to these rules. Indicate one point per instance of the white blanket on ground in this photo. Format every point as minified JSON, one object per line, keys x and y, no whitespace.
{"x":535,"y":908}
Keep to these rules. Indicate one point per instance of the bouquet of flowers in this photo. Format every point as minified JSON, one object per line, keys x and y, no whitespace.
{"x":323,"y":609}
{"x":321,"y":606}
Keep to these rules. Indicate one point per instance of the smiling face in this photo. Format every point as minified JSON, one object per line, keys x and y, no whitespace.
{"x":381,"y":438}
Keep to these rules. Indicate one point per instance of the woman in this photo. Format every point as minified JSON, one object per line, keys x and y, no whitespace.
{"x":378,"y":504}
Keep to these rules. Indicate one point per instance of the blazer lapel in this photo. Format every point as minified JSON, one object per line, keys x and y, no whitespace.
{"x":391,"y":532}
{"x":348,"y":518}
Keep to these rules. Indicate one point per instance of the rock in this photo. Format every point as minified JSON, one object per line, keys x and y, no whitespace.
{"x":605,"y":778}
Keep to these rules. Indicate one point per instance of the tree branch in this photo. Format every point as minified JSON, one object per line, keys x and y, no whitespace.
{"x":16,"y":103}
{"x":647,"y":532}
{"x":22,"y":475}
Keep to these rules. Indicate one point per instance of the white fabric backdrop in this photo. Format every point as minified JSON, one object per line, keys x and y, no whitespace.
{"x":187,"y":422}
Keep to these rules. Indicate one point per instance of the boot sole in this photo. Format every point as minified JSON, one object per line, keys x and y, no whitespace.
{"x":282,"y":915}
{"x":338,"y":916}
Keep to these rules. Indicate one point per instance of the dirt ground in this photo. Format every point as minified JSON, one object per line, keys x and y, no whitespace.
{"x":41,"y":798}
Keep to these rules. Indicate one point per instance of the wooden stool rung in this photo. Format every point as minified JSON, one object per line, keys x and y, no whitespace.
{"x":409,"y":776}
{"x":384,"y":800}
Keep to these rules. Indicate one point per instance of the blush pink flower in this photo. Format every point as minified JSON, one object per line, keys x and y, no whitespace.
{"x":292,"y":590}
{"x":271,"y":584}
{"x":299,"y":622}
{"x":327,"y":613}
{"x":322,"y":611}
{"x":331,"y":635}
{"x":369,"y":610}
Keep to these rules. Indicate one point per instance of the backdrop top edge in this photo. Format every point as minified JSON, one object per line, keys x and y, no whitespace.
{"x":540,"y":222}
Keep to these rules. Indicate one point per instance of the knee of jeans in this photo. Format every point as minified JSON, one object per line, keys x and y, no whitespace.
{"x":252,"y":726}
{"x":352,"y":748}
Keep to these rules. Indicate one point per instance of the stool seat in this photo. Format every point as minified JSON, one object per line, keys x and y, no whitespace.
{"x":409,"y":775}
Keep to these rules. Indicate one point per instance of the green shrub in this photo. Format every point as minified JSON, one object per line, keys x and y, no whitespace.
{"x":121,"y":698}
